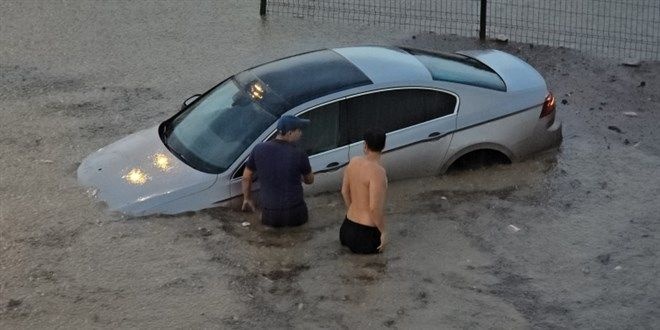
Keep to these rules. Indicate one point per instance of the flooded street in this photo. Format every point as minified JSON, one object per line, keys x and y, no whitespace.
{"x":566,"y":239}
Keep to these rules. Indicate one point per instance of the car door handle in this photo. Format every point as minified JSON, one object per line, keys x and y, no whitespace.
{"x":331,"y":167}
{"x":434,"y":136}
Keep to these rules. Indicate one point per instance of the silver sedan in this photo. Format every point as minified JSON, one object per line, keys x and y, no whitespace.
{"x":438,"y":109}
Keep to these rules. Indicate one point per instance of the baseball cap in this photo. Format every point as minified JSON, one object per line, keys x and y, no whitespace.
{"x":290,"y":123}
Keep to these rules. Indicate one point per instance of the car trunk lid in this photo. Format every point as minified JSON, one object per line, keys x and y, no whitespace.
{"x":516,"y":73}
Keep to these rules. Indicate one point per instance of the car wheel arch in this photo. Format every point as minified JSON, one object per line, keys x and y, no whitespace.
{"x":486,"y":146}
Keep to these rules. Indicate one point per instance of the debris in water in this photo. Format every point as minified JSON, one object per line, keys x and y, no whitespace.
{"x":14,"y":303}
{"x":604,"y":258}
{"x":513,"y":228}
{"x":618,"y":268}
{"x":45,"y":161}
{"x":631,"y":62}
{"x":245,"y":224}
{"x":614,"y":128}
{"x":204,"y":232}
{"x":444,"y":202}
{"x":642,"y":84}
{"x":502,"y":38}
{"x":630,"y":113}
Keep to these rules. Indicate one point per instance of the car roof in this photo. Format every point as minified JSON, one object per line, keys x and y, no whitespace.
{"x":386,"y":64}
{"x":300,"y":78}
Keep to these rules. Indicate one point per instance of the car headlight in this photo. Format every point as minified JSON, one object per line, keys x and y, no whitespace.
{"x":136,"y":176}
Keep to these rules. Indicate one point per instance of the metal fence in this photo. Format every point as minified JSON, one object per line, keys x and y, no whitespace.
{"x":609,"y":28}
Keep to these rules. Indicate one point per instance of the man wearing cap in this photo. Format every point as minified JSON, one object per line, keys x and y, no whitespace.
{"x":281,"y":167}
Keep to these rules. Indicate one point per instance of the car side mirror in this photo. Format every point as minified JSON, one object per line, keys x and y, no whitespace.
{"x":190,"y":100}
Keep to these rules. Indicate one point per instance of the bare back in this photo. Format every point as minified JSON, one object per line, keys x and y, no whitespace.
{"x":364,"y":188}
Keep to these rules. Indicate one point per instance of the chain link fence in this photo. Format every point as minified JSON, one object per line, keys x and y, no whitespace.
{"x":610,"y":28}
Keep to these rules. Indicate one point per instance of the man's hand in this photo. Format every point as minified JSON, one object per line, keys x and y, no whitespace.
{"x":383,"y":241}
{"x":308,"y":178}
{"x":248,"y":205}
{"x":246,"y":186}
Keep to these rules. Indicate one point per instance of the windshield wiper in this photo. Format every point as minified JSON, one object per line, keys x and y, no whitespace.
{"x":166,"y":130}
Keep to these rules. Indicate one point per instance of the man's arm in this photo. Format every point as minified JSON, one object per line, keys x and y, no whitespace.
{"x":246,"y":184}
{"x":346,"y":189}
{"x":377,"y":192}
{"x":306,"y":168}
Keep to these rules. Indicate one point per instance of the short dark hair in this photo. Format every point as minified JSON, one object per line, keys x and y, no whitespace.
{"x":375,"y":139}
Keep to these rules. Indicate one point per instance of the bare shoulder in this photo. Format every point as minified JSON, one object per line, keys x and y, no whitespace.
{"x":380,"y":172}
{"x":356,"y":159}
{"x":355,"y":162}
{"x":377,"y":171}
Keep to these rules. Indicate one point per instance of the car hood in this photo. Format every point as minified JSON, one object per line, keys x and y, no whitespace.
{"x":138,"y":172}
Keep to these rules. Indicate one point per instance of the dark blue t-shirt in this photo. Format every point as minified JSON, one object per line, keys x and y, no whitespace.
{"x":279,"y":166}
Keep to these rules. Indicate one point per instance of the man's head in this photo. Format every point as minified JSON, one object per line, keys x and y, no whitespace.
{"x":374,"y":140}
{"x":290,"y":127}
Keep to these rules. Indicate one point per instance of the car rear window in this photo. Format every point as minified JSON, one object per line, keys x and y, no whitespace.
{"x":459,"y":69}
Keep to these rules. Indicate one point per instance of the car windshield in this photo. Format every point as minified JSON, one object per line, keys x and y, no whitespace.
{"x":216,"y":129}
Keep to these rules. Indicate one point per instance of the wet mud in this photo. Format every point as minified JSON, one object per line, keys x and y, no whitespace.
{"x":565,"y":239}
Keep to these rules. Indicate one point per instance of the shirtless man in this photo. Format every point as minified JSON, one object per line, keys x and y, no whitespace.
{"x":363,"y":188}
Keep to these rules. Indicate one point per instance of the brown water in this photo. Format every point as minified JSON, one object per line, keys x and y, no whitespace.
{"x":76,"y":76}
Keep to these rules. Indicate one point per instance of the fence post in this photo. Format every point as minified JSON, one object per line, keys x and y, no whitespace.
{"x":482,"y":21}
{"x":262,"y":9}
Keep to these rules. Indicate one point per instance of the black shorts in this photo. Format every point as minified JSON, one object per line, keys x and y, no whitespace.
{"x":294,"y":216}
{"x":359,"y":238}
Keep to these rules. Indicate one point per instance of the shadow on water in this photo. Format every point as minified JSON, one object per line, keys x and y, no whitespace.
{"x":247,"y":227}
{"x":462,"y":184}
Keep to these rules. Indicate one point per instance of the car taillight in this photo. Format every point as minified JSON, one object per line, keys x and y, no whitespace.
{"x":548,"y":105}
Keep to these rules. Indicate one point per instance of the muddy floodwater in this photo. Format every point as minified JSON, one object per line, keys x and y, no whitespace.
{"x":566,"y":239}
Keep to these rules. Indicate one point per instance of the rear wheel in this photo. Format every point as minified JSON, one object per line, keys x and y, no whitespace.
{"x":479,"y":159}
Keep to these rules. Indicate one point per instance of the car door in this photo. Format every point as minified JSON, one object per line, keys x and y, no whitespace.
{"x":324,"y":141}
{"x":419,"y":123}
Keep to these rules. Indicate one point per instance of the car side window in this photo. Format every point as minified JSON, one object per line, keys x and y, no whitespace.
{"x":323,"y":132}
{"x":396,"y":109}
{"x":239,"y":172}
